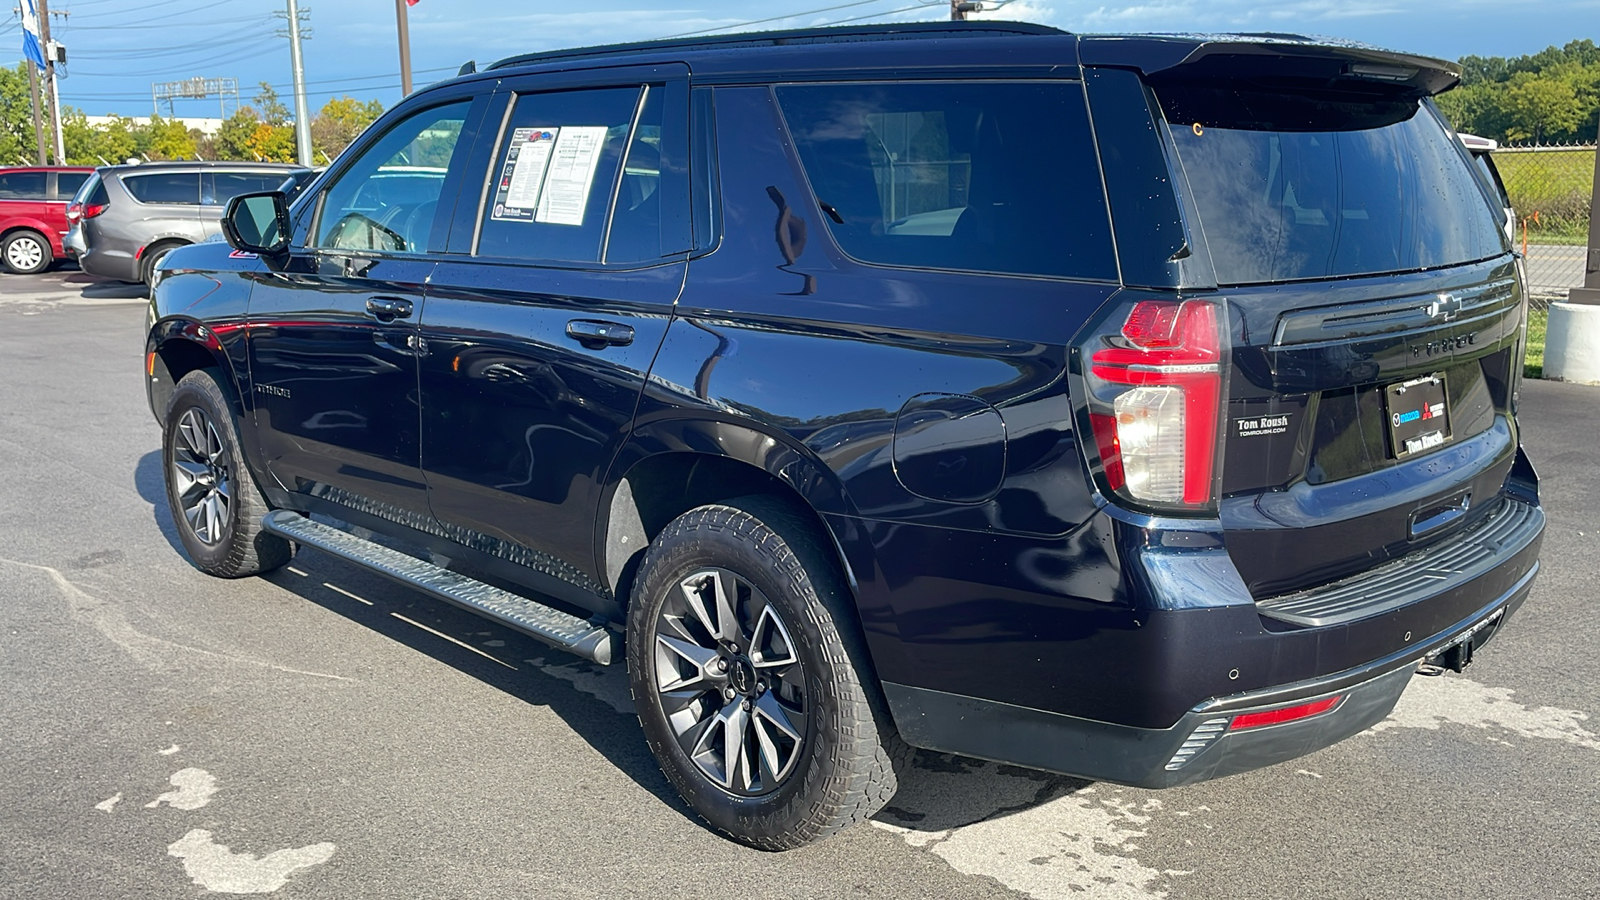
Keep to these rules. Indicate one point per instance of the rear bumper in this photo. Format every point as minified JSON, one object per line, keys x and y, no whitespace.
{"x":109,"y":264}
{"x":1204,"y":743}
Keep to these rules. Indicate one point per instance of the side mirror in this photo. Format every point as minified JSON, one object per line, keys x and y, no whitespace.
{"x":258,"y":223}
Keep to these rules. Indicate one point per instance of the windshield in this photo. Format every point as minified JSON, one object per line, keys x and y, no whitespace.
{"x":1292,"y":187}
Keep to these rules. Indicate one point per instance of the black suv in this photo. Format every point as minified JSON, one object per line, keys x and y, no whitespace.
{"x":1140,"y":408}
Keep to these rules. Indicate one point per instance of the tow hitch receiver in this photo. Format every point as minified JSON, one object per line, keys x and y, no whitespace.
{"x":1458,"y":655}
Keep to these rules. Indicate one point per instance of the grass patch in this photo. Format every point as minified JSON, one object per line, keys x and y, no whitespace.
{"x":1533,"y":358}
{"x":1557,"y":185}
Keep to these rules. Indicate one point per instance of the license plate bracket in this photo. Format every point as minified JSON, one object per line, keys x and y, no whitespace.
{"x":1418,"y":413}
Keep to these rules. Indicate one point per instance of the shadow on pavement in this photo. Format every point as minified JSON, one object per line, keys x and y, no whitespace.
{"x":102,"y":289}
{"x":937,"y":793}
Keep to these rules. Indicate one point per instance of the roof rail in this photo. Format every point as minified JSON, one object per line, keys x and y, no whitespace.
{"x":836,"y":34}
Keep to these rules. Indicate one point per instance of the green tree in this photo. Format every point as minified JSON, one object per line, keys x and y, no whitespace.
{"x":16,"y":117}
{"x":1539,"y":106}
{"x":170,"y":139}
{"x":271,"y":109}
{"x":233,"y":138}
{"x":340,"y":121}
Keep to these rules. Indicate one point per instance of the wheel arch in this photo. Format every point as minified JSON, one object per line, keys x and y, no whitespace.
{"x":148,"y":252}
{"x":177,"y":347}
{"x":664,"y":472}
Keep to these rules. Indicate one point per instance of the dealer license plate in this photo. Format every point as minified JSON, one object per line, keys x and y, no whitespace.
{"x":1419,"y":415}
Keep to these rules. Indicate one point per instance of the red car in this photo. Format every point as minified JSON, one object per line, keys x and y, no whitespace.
{"x":33,"y":214}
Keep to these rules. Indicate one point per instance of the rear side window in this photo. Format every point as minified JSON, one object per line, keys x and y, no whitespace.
{"x":22,"y":186}
{"x":983,"y":176}
{"x":217,"y":188}
{"x":164,"y":187}
{"x":67,"y":183}
{"x":1293,"y":187}
{"x":555,"y":171}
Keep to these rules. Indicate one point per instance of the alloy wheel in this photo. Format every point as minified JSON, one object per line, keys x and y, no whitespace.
{"x":24,"y":253}
{"x":201,"y":478}
{"x":730,"y":682}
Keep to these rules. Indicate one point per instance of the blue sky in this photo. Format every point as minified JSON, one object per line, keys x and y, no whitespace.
{"x":118,"y":47}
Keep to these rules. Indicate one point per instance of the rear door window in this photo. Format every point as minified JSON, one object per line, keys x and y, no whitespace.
{"x":983,"y":176}
{"x":1292,"y":187}
{"x":67,"y":183}
{"x":182,"y":188}
{"x":22,"y":186}
{"x":555,"y":173}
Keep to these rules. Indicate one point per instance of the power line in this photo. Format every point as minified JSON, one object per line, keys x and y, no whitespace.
{"x":807,"y":12}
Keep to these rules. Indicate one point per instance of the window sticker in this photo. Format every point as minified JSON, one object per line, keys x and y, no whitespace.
{"x":521,"y":178}
{"x":571,"y":174}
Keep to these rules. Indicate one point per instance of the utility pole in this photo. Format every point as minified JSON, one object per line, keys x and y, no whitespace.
{"x":38,"y":119}
{"x":302,"y":117}
{"x":50,"y":79}
{"x":405,"y":47}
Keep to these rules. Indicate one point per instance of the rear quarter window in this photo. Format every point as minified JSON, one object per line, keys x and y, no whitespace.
{"x":67,"y":183}
{"x":181,"y":188}
{"x":982,"y":176}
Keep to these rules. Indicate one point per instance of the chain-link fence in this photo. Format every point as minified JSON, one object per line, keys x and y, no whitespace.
{"x":1550,"y":189}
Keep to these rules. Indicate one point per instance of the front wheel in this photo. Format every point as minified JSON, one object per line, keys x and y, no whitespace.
{"x":214,"y":499}
{"x":746,"y":671}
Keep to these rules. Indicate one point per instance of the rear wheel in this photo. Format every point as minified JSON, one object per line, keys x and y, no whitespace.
{"x":746,"y":673}
{"x":26,"y":252}
{"x":214,"y":499}
{"x":152,"y":258}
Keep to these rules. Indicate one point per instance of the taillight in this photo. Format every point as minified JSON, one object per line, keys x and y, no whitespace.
{"x":93,"y":209}
{"x":74,"y":211}
{"x":1155,"y":402}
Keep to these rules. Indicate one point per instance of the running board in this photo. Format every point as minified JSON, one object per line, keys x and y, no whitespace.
{"x":556,"y":628}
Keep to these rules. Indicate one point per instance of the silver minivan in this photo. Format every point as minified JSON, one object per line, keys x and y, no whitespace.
{"x":128,"y":217}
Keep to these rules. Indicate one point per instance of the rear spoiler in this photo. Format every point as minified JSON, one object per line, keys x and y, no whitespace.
{"x":1283,"y":60}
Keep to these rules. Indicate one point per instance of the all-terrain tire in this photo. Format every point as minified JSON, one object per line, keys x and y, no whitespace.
{"x":847,"y":766}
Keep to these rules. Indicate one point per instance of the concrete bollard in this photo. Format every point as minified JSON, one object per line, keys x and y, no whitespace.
{"x":1572,"y":343}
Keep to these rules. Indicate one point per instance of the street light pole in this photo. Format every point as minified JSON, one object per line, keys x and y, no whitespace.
{"x":302,"y":116}
{"x":405,"y":47}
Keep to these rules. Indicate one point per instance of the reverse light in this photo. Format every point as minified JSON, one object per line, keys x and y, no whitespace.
{"x":1158,"y":438}
{"x":1287,"y":714}
{"x":74,"y":211}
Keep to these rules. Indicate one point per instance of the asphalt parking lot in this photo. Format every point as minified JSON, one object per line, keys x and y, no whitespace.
{"x":323,"y":733}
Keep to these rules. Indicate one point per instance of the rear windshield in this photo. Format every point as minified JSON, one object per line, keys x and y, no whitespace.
{"x":1292,"y":187}
{"x":984,"y":176}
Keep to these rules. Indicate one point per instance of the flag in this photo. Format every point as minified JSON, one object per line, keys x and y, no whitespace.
{"x":412,"y":2}
{"x":31,"y":47}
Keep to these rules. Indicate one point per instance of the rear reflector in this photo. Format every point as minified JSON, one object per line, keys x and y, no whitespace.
{"x":1287,"y":714}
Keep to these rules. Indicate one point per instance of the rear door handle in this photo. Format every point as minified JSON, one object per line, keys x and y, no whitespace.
{"x":387,"y":309}
{"x":595,"y":334}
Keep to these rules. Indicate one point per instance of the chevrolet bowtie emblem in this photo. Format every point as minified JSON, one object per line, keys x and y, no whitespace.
{"x":1444,"y":307}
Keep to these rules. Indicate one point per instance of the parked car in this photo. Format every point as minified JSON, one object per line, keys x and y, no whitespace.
{"x":126,"y":218}
{"x":1482,"y":151}
{"x":1064,"y":401}
{"x":33,"y":203}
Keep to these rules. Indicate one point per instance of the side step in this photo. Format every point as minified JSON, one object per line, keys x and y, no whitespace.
{"x":556,"y":628}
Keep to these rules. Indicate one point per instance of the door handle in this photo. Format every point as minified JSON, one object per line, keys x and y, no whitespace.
{"x":387,"y":309}
{"x":594,"y":334}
